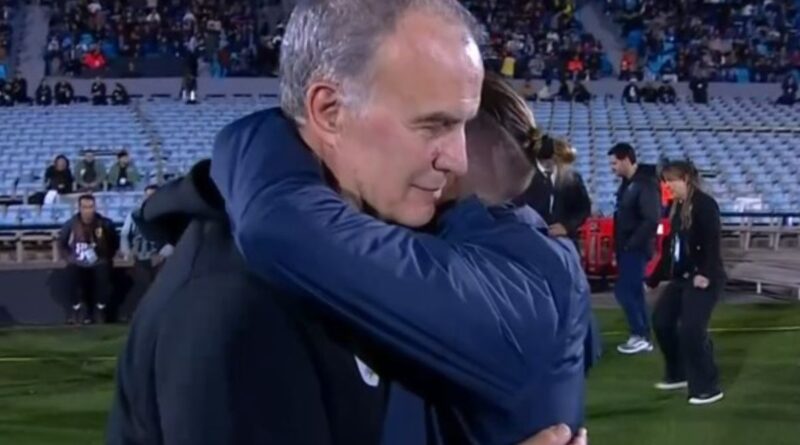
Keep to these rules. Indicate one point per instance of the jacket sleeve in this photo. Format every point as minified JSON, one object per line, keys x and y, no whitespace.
{"x":125,"y":233}
{"x":423,"y":297}
{"x":578,"y":207}
{"x":649,"y":203}
{"x":63,"y":242}
{"x":113,"y":174}
{"x":708,"y":231}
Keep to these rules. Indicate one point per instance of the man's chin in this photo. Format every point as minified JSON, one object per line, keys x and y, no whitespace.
{"x":414,"y":218}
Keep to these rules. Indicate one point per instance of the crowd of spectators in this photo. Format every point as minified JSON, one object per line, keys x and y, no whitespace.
{"x":5,"y":36}
{"x":538,"y":39}
{"x":89,"y":175}
{"x":733,"y":40}
{"x":15,"y":92}
{"x":89,"y":35}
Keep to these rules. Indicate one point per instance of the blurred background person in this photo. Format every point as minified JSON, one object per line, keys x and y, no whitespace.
{"x":147,"y":257}
{"x":123,"y":175}
{"x":88,"y":243}
{"x":636,"y":220}
{"x":58,"y":177}
{"x":557,"y":191}
{"x":90,"y":173}
{"x":693,"y":265}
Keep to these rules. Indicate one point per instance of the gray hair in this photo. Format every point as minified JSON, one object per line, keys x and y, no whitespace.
{"x":335,"y":40}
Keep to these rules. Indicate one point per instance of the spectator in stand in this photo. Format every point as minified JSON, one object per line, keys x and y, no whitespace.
{"x":741,"y":41}
{"x":699,"y":87}
{"x":147,"y":256}
{"x":5,"y":35}
{"x":580,"y":93}
{"x":564,"y":93}
{"x":58,"y":177}
{"x":120,"y":95}
{"x":649,"y":93}
{"x":88,"y":242}
{"x":19,"y":90}
{"x":99,"y":93}
{"x":44,"y":94}
{"x":631,"y":93}
{"x":789,"y":88}
{"x":6,"y":98}
{"x":123,"y":175}
{"x":544,"y":93}
{"x":536,"y":34}
{"x":94,"y":60}
{"x":64,"y":93}
{"x":667,"y":94}
{"x":90,"y":173}
{"x":188,"y":91}
{"x":93,"y":35}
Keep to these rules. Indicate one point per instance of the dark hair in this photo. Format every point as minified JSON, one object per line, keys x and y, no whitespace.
{"x":61,"y":157}
{"x":685,"y":171}
{"x":86,"y":197}
{"x":152,"y":187}
{"x":122,"y":154}
{"x":623,"y":150}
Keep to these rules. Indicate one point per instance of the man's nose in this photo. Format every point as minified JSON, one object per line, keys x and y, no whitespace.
{"x":452,"y":155}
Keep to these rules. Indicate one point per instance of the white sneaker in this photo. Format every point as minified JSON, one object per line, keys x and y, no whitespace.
{"x":635,"y":345}
{"x":671,"y":386}
{"x":706,"y":399}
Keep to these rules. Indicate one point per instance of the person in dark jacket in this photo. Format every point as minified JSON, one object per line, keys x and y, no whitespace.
{"x":120,"y":95}
{"x":216,"y":355}
{"x":789,"y":90}
{"x":693,"y":265}
{"x":19,"y":90}
{"x":58,"y":176}
{"x":44,"y":94}
{"x":90,"y":173}
{"x":363,"y":271}
{"x":635,"y":224}
{"x":698,"y":84}
{"x":557,"y":192}
{"x":631,"y":92}
{"x":99,"y":96}
{"x":667,"y":94}
{"x":88,"y":242}
{"x":64,"y":93}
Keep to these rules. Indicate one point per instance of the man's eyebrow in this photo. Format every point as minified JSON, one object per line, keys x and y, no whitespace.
{"x":437,"y":117}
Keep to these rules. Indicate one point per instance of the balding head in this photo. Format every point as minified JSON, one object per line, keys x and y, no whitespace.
{"x":383,"y":99}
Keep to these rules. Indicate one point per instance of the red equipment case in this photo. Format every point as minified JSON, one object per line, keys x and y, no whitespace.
{"x":597,"y":247}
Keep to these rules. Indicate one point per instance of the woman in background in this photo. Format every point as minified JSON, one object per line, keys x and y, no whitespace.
{"x":693,"y":266}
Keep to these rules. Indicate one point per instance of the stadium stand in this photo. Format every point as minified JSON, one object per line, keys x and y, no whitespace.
{"x":527,"y":38}
{"x":538,"y":39}
{"x":743,"y":41}
{"x":5,"y":37}
{"x":746,"y":148}
{"x":95,"y":38}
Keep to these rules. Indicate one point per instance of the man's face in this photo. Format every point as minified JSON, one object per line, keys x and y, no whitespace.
{"x":395,"y":150}
{"x":123,"y":161}
{"x":620,"y":167}
{"x":87,"y":210}
{"x":89,"y":157}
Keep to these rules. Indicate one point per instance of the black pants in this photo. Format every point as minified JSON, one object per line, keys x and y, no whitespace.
{"x":680,"y":321}
{"x":81,"y":283}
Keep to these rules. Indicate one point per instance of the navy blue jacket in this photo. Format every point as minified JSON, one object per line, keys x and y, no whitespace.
{"x":492,"y":311}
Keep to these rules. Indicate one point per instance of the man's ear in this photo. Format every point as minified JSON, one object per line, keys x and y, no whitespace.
{"x":324,"y":107}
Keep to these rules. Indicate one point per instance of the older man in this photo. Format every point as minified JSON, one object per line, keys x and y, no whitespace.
{"x":223,"y":373}
{"x":387,"y":121}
